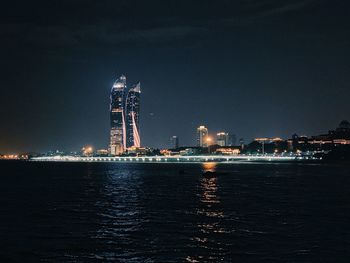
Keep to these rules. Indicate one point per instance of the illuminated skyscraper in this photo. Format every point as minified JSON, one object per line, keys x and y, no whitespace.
{"x":202,"y":136}
{"x":132,"y":107}
{"x":124,"y":116}
{"x":117,"y":117}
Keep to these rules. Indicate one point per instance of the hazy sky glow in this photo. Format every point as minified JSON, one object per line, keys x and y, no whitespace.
{"x":251,"y":67}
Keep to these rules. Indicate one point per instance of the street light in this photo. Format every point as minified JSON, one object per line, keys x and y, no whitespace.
{"x":208,"y":140}
{"x":88,"y":150}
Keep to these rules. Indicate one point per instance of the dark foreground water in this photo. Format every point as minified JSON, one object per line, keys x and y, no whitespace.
{"x":71,"y":212}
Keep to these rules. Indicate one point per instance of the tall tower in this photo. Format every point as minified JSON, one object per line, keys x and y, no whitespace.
{"x":132,"y":113}
{"x":117,"y":117}
{"x":202,"y":136}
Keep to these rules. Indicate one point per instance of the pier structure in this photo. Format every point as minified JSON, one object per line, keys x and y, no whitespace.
{"x":175,"y":159}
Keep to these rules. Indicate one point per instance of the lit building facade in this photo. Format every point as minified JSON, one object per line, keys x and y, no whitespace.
{"x":222,"y":138}
{"x":124,"y":117}
{"x":117,"y":117}
{"x":202,"y":136}
{"x":323,"y":142}
{"x":225,"y":139}
{"x":132,"y":106}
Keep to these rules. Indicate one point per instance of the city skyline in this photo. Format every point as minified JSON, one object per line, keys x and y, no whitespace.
{"x":253,"y":68}
{"x":124,"y":124}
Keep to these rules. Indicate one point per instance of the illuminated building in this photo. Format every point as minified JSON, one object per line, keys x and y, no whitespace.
{"x":228,"y":150}
{"x":202,"y":136}
{"x":137,"y":151}
{"x":117,"y":117}
{"x":225,"y":139}
{"x":269,"y":140}
{"x":124,"y":117}
{"x":13,"y":157}
{"x":174,"y":142}
{"x":339,"y":136}
{"x":132,"y":107}
{"x":189,"y":151}
{"x":102,"y":152}
{"x":221,"y":138}
{"x":323,"y":142}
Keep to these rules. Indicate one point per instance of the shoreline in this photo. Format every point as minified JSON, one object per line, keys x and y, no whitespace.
{"x":178,"y":159}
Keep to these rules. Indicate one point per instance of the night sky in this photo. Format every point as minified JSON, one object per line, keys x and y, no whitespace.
{"x":250,"y":67}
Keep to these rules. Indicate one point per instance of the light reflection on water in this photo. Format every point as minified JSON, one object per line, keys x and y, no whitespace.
{"x":119,"y":213}
{"x":209,"y":167}
{"x":210,"y":214}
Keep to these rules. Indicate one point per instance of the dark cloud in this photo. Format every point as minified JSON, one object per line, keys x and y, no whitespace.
{"x":91,"y":23}
{"x":252,"y":67}
{"x":271,"y":7}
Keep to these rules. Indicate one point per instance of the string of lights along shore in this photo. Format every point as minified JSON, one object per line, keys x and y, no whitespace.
{"x":124,"y":116}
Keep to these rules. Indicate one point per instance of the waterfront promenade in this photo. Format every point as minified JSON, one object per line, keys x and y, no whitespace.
{"x":175,"y":159}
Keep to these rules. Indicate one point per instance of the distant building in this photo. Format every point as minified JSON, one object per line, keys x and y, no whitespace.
{"x":185,"y":150}
{"x":174,"y":142}
{"x":241,"y":143}
{"x":323,"y":142}
{"x":169,"y":152}
{"x":222,"y":138}
{"x":228,"y":150}
{"x":297,"y":143}
{"x":268,"y":140}
{"x":225,"y":139}
{"x":202,"y":136}
{"x":137,"y":151}
{"x":124,"y":116}
{"x":339,"y":136}
{"x":102,"y":152}
{"x":231,"y":140}
{"x":189,"y":151}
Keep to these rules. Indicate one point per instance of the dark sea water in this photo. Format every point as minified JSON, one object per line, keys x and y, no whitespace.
{"x":94,"y":212}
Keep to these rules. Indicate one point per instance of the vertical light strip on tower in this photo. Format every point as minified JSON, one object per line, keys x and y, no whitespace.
{"x":137,"y":142}
{"x":133,"y":113}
